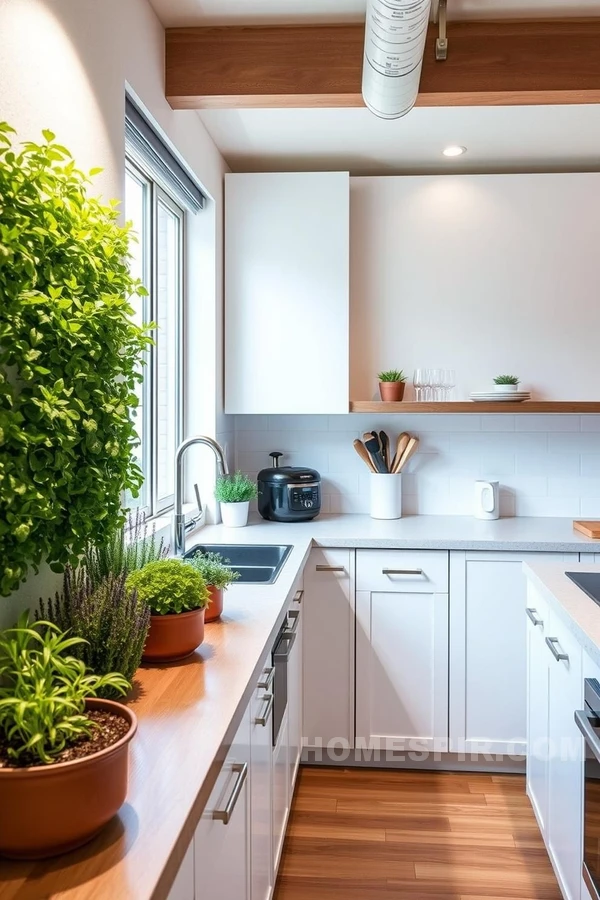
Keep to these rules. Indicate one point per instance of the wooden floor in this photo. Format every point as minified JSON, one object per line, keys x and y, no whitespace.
{"x":368,"y":834}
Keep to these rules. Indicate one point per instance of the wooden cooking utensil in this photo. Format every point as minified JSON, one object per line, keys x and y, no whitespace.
{"x":410,"y":449}
{"x":372,"y":445}
{"x":385,"y":449}
{"x":401,"y":445}
{"x":364,"y":454}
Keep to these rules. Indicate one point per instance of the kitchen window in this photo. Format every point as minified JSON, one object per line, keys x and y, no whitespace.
{"x":159,"y":196}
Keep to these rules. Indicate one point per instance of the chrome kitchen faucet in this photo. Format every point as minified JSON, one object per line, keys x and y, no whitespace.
{"x":179,"y":526}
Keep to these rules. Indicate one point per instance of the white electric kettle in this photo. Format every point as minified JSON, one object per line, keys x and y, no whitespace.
{"x":487,"y":500}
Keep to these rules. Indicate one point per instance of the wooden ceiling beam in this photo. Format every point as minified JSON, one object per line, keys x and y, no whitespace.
{"x":504,"y":63}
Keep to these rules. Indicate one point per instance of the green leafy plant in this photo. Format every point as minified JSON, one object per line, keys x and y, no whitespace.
{"x":109,"y":618}
{"x":123,"y":551}
{"x":506,"y":379}
{"x":169,"y":586}
{"x":43,"y":691}
{"x":214,"y":569}
{"x":236,"y":488}
{"x":392,"y":375}
{"x":70,"y":360}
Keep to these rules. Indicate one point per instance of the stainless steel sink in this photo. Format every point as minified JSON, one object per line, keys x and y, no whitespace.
{"x":257,"y":564}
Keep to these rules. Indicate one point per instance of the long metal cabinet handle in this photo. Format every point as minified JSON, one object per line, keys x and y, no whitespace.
{"x":551,"y":642}
{"x":588,"y":731}
{"x":224,"y":815}
{"x":531,"y":612}
{"x":298,"y":596}
{"x":294,"y":615}
{"x":262,"y":720}
{"x":265,"y":683}
{"x":288,"y":638}
{"x":402,"y":572}
{"x":330,"y":568}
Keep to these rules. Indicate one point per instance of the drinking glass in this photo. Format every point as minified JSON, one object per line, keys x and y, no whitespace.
{"x":419,"y":382}
{"x":448,"y":382}
{"x":436,"y":381}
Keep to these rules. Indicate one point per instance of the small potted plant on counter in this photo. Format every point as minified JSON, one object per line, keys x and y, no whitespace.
{"x":63,"y":752}
{"x":392,"y":384}
{"x":506,"y":384}
{"x":177,"y":596}
{"x":218,"y":576}
{"x":234,"y":493}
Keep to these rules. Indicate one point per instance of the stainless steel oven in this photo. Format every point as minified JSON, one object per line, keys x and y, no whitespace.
{"x":588,"y":721}
{"x":281,"y":654}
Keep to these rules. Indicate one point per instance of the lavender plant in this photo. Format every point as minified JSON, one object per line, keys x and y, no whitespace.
{"x":111,"y":620}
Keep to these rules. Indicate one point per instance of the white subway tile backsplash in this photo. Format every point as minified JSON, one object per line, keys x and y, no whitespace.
{"x":546,"y":465}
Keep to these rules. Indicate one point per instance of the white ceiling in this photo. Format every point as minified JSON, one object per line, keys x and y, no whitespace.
{"x":244,"y":12}
{"x":498,"y":139}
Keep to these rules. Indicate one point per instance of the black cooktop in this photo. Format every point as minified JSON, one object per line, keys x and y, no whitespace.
{"x":589,"y":582}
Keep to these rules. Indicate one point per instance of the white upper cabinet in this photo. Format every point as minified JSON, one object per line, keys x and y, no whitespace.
{"x":287,"y":250}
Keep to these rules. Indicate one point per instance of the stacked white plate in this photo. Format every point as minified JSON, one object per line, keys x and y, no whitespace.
{"x":500,"y":396}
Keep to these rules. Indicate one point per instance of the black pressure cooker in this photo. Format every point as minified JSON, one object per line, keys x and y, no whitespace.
{"x":288,"y":493}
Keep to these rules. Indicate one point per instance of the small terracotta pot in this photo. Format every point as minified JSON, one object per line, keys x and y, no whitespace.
{"x":215,"y":607}
{"x":55,"y":808}
{"x":391,"y":390}
{"x":174,"y":636}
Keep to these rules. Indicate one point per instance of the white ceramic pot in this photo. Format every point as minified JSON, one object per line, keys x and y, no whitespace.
{"x":386,"y":496}
{"x":235,"y":515}
{"x":506,"y":388}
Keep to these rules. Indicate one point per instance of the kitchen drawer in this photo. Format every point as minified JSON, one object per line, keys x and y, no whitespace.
{"x":398,"y":571}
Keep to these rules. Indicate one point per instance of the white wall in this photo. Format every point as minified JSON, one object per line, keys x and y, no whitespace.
{"x":485,"y":274}
{"x":64,"y":65}
{"x":546,"y":465}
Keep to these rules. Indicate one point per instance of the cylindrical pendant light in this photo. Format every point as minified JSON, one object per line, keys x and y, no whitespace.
{"x":394,"y":46}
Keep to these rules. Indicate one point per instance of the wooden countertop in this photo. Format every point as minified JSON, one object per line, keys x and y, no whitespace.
{"x":188,"y":714}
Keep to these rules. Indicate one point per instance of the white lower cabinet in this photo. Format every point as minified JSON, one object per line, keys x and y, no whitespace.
{"x":295,"y":692}
{"x":328,"y":652}
{"x":222,"y":838}
{"x":401,"y":650}
{"x":261,"y":790}
{"x":488,"y":653}
{"x":281,"y":789}
{"x":183,"y":887}
{"x":538,"y":694}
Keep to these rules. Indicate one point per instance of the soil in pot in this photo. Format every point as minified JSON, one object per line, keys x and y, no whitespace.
{"x":58,"y":807}
{"x":391,"y":391}
{"x":173,"y":637}
{"x":215,"y":607}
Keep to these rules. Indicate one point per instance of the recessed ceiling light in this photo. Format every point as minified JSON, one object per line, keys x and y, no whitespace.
{"x":454,"y":150}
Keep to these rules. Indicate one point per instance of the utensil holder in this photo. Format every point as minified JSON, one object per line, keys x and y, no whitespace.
{"x":386,"y":496}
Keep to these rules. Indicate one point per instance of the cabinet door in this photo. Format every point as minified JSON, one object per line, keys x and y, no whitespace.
{"x":538,"y":693}
{"x":287,"y":251}
{"x":402,"y":670}
{"x":328,"y":651}
{"x":222,"y":839}
{"x":566,"y":758}
{"x":488,"y":653}
{"x":295,"y":689}
{"x":281,"y":790}
{"x":183,"y":887}
{"x":261,"y":791}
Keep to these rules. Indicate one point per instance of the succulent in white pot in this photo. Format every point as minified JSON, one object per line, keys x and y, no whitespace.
{"x":506,"y":384}
{"x":234,"y":493}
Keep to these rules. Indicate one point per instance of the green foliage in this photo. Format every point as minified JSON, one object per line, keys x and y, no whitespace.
{"x":123,"y":551}
{"x":169,"y":586}
{"x":506,"y":379}
{"x":392,"y":375}
{"x":236,"y":488}
{"x":214,"y":569}
{"x":109,"y":618}
{"x":43,"y":691}
{"x":70,"y":357}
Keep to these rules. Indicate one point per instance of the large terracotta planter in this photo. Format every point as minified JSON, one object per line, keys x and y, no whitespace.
{"x":174,"y":636}
{"x":215,"y":607}
{"x":391,"y":390}
{"x":50,"y":809}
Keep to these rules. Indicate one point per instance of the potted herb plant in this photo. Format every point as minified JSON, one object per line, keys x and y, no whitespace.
{"x":63,"y":751}
{"x":177,"y":596}
{"x":506,"y":384}
{"x":234,"y":493}
{"x":391,"y":384}
{"x":218,"y":576}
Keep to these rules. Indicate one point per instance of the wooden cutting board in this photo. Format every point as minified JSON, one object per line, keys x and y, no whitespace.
{"x":590,"y":529}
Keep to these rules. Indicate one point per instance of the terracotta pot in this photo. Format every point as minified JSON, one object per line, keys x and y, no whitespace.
{"x":215,"y":607}
{"x":391,"y":390}
{"x":55,"y":808}
{"x":174,"y":636}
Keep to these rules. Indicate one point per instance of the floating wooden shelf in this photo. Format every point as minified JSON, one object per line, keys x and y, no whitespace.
{"x":575,"y":407}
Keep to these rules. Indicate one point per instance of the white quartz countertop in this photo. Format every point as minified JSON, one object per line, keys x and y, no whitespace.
{"x":572,"y":605}
{"x":410,"y":532}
